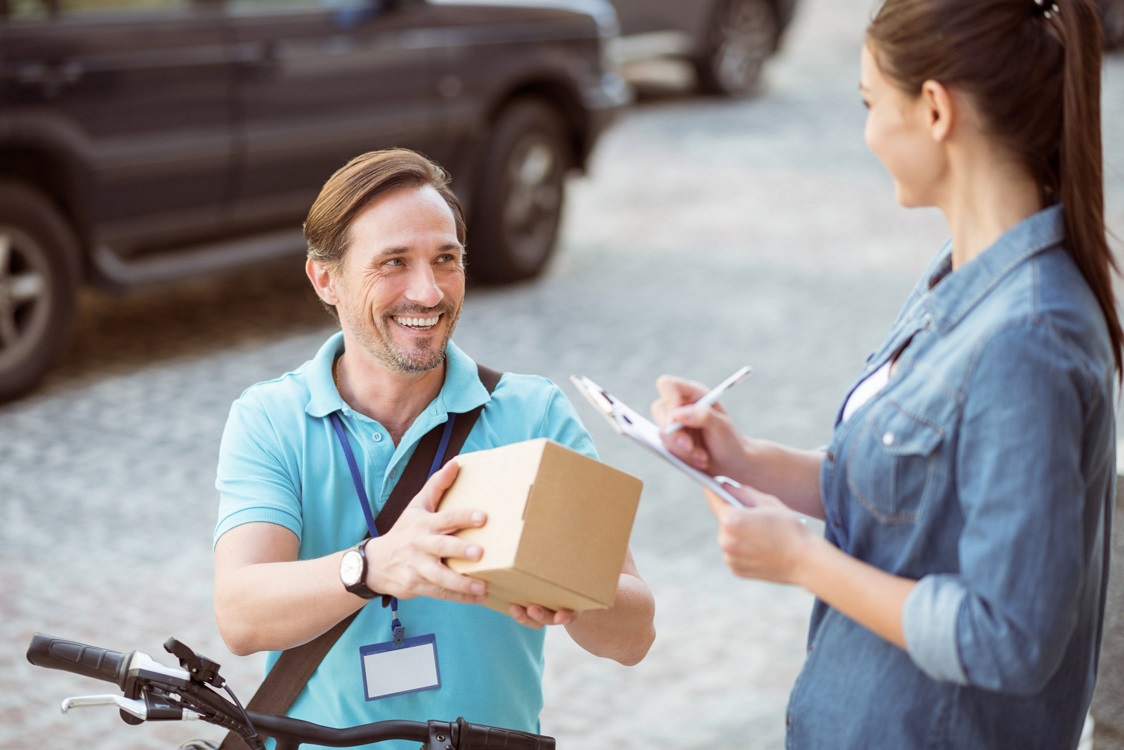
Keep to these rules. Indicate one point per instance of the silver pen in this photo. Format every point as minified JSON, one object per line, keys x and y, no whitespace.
{"x":712,"y":396}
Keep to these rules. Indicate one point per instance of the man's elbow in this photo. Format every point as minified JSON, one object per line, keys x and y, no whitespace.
{"x":638,"y":647}
{"x":238,"y":634}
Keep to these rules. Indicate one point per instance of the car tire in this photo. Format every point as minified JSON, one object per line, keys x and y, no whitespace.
{"x":1112,"y":19}
{"x":519,"y":194}
{"x":741,"y":36}
{"x":39,"y":280}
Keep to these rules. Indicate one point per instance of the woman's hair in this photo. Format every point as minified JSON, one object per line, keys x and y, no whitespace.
{"x":1033,"y":71}
{"x":360,"y":181}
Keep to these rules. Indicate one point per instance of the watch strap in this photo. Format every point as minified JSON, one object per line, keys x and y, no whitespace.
{"x":360,"y":588}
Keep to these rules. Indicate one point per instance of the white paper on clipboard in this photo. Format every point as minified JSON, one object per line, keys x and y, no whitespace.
{"x":642,"y":431}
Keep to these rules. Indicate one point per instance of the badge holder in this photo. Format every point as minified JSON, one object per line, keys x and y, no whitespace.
{"x":401,"y":665}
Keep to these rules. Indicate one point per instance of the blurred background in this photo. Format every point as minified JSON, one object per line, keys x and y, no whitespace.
{"x":730,"y":214}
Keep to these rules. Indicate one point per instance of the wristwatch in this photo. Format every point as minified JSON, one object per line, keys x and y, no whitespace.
{"x":353,"y":571}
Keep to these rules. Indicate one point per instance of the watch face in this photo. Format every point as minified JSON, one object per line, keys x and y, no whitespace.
{"x":351,"y":567}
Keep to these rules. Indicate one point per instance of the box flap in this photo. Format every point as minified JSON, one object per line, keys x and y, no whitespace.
{"x":497,"y":481}
{"x":577,"y":522}
{"x":507,"y":587}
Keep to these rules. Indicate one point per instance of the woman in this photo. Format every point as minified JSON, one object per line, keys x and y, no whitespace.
{"x":966,"y":492}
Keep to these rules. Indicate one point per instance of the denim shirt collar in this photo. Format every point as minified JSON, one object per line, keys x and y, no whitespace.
{"x":462,"y":390}
{"x":952,"y":295}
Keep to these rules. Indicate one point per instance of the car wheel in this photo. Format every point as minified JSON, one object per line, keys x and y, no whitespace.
{"x":38,"y":287}
{"x":519,"y":194}
{"x":1112,"y":18}
{"x":741,"y":37}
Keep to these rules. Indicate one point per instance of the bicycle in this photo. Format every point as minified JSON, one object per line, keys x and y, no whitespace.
{"x":152,"y":691}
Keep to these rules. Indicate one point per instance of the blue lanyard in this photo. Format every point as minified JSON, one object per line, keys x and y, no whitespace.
{"x":396,"y":628}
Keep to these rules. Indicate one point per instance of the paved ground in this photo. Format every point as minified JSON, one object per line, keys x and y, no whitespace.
{"x":709,"y":234}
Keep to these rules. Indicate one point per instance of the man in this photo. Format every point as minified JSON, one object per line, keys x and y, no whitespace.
{"x":386,"y":254}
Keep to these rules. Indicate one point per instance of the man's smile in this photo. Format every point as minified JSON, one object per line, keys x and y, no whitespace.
{"x":417,"y":323}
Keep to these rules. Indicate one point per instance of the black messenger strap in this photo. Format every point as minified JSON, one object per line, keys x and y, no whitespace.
{"x":295,"y":665}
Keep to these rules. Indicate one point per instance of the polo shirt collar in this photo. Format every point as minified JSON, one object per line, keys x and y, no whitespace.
{"x":462,"y":390}
{"x":953,"y":294}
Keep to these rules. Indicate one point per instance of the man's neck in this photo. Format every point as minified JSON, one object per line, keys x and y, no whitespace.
{"x":392,"y":398}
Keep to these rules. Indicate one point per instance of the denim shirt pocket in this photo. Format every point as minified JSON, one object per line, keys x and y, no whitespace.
{"x":891,"y":461}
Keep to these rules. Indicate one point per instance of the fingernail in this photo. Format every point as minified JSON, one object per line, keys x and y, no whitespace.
{"x":479,"y":588}
{"x":682,"y":442}
{"x":478,"y":517}
{"x":473,"y":552}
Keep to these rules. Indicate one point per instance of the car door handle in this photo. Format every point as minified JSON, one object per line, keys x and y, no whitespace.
{"x":256,"y":55}
{"x":49,"y":78}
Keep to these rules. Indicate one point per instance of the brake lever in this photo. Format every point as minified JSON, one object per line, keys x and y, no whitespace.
{"x":132,"y":706}
{"x":148,"y":708}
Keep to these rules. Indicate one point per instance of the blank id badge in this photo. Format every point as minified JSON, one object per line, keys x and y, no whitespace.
{"x":390,"y":669}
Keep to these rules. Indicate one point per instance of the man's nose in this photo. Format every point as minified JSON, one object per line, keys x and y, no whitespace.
{"x":423,"y":288}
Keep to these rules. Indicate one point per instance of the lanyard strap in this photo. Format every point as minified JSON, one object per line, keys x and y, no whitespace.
{"x":396,"y":627}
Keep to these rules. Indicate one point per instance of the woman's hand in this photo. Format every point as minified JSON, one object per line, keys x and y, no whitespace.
{"x":708,"y":439}
{"x":765,"y":540}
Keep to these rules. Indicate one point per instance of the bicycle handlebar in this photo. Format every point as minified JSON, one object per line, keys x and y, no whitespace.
{"x":153,"y":691}
{"x":69,"y":656}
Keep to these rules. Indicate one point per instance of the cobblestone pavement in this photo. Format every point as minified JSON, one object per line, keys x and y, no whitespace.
{"x":709,"y":234}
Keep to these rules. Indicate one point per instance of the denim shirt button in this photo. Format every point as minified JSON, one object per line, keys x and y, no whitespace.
{"x":831,"y":456}
{"x":788,"y":721}
{"x":888,"y":439}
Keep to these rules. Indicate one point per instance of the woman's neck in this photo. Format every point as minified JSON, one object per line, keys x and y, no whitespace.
{"x":988,"y":198}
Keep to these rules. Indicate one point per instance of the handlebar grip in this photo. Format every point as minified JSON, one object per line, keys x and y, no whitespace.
{"x":69,"y":656}
{"x":482,"y":737}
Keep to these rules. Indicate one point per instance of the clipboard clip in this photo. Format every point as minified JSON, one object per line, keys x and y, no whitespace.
{"x":613,"y":409}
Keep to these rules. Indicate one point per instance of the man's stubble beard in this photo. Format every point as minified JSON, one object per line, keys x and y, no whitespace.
{"x":379,"y":341}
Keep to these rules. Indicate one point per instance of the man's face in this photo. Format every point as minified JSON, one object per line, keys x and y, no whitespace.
{"x":400,"y":285}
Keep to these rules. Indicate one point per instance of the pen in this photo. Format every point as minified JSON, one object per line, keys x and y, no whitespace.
{"x":712,"y":396}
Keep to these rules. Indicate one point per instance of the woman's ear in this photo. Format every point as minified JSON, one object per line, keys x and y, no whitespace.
{"x":940,"y":109}
{"x":321,"y":280}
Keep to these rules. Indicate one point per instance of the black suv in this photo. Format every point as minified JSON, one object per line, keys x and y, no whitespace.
{"x":148,"y":140}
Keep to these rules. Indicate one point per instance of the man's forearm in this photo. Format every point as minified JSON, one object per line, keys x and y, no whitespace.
{"x":275,"y":606}
{"x":625,"y":631}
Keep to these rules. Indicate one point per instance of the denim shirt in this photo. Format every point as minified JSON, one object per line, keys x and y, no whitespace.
{"x":985,"y":470}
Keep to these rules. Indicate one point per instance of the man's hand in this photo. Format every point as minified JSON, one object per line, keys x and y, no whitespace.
{"x":409,"y":560}
{"x":535,"y":616}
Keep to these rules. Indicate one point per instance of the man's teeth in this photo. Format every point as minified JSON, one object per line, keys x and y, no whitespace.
{"x":418,"y":322}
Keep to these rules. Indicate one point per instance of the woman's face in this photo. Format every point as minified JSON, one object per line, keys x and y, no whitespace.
{"x":898,"y":131}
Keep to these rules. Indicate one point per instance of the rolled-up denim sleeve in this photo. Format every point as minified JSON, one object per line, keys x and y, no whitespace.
{"x":929,"y":621}
{"x":1022,"y":492}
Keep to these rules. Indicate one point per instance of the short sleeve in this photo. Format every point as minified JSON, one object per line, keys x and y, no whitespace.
{"x":255,"y":480}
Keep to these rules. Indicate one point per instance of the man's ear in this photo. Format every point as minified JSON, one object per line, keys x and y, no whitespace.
{"x":940,"y":108}
{"x":322,"y":281}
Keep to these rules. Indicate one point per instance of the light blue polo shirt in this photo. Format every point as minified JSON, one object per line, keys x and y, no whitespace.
{"x":281,"y":462}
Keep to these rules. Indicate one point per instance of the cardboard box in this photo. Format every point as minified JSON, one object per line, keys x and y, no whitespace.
{"x":558,"y":524}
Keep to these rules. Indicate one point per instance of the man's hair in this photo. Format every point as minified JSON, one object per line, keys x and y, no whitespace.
{"x":360,"y":181}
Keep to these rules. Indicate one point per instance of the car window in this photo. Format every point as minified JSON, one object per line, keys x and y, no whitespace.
{"x":39,"y":10}
{"x":262,"y":6}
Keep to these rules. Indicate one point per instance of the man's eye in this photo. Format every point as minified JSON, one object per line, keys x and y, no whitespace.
{"x":394,"y":262}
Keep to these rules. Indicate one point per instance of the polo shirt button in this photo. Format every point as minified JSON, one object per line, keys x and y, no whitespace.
{"x":377,"y":437}
{"x":888,"y":439}
{"x":393,"y":473}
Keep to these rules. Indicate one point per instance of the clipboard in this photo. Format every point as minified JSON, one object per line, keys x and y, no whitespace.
{"x":646,"y":434}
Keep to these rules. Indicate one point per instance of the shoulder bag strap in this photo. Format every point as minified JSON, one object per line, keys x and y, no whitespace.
{"x":295,"y":665}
